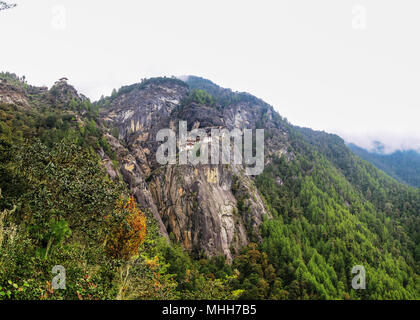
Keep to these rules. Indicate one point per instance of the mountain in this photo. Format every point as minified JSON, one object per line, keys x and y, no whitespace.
{"x":190,"y":231}
{"x":193,"y":204}
{"x":401,"y":165}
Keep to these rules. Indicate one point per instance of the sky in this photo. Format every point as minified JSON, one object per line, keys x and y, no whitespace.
{"x":347,"y":67}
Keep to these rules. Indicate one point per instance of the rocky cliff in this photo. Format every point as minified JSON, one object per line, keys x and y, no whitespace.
{"x":195,"y":205}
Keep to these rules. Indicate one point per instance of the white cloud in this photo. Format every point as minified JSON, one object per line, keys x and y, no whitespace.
{"x":392,"y":141}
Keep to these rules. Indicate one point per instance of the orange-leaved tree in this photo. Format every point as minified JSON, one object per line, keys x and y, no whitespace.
{"x":129,"y":231}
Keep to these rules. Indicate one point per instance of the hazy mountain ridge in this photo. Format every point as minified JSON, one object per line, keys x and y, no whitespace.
{"x":401,"y":165}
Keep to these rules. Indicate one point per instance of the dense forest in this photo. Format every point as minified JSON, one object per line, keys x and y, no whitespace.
{"x":401,"y":165}
{"x":331,"y":211}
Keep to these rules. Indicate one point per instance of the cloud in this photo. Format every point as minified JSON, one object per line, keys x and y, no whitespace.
{"x":391,"y":142}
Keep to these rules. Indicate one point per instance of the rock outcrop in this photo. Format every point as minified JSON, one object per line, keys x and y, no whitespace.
{"x":12,"y":94}
{"x":193,"y":204}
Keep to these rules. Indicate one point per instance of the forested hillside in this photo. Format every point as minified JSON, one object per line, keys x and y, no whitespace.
{"x":79,"y":188}
{"x":339,"y":211}
{"x":401,"y":165}
{"x":333,"y":210}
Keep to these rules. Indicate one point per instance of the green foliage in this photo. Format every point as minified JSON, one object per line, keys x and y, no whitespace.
{"x":59,"y":219}
{"x":256,"y":278}
{"x":62,"y":218}
{"x":221,"y":96}
{"x":58,"y":231}
{"x":327,"y":222}
{"x":200,"y":97}
{"x":331,"y":211}
{"x":401,"y":165}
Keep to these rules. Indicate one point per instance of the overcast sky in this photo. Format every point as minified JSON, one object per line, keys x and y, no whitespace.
{"x":347,"y":67}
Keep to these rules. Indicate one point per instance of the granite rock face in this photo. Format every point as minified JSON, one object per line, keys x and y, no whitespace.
{"x":193,"y":204}
{"x":10,"y":94}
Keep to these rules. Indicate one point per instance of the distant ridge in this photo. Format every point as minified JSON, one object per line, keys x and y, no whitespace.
{"x":401,"y":165}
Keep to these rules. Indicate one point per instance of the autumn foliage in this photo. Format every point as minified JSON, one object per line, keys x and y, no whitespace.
{"x":129,"y":232}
